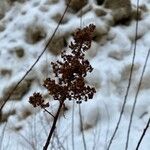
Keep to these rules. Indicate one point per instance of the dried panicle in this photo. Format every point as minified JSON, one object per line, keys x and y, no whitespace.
{"x":58,"y":91}
{"x":82,"y":40}
{"x":37,"y":100}
{"x":71,"y":68}
{"x":70,"y":72}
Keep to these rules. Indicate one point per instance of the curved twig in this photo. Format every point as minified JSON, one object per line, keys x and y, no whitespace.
{"x":82,"y":130}
{"x":73,"y":109}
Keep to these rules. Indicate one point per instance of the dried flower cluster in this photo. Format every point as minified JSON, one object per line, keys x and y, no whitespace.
{"x":37,"y":100}
{"x":69,"y":73}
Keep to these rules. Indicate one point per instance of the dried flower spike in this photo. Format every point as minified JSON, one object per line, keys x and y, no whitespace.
{"x":70,"y":72}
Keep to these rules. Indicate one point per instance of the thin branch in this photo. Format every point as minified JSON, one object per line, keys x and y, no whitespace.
{"x":143,"y":134}
{"x":82,"y":130}
{"x":58,"y":141}
{"x":129,"y":81}
{"x":34,"y":133}
{"x":108,"y":126}
{"x":135,"y":100}
{"x":96,"y":134}
{"x":53,"y":126}
{"x":2,"y":136}
{"x":45,"y":48}
{"x":25,"y":140}
{"x":73,"y":125}
{"x":42,"y":123}
{"x":49,"y":112}
{"x":80,"y":114}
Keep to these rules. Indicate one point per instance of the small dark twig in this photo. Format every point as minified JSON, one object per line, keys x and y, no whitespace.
{"x":135,"y":100}
{"x":143,"y":134}
{"x":49,"y":112}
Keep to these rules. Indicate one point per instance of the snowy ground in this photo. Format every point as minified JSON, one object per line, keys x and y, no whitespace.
{"x":24,"y":30}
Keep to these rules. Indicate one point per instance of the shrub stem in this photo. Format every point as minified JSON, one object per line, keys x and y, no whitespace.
{"x":53,"y":126}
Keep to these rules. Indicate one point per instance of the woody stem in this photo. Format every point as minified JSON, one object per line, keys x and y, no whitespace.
{"x":53,"y":126}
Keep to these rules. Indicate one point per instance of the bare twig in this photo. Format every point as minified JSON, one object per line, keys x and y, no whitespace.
{"x":82,"y":130}
{"x":143,"y":134}
{"x":49,"y":113}
{"x":34,"y":133}
{"x":135,"y":100}
{"x":53,"y":126}
{"x":96,"y":134}
{"x":58,"y":141}
{"x":73,"y":125}
{"x":26,"y":139}
{"x":129,"y":81}
{"x":43,"y":123}
{"x":108,"y":126}
{"x":80,"y":113}
{"x":2,"y":136}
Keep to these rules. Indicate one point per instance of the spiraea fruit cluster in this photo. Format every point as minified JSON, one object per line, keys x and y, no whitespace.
{"x":69,"y":82}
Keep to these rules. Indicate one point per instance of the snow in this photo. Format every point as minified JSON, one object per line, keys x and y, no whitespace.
{"x":110,"y":55}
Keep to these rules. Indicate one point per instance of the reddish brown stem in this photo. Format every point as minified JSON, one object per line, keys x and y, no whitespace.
{"x":53,"y":126}
{"x":49,"y":112}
